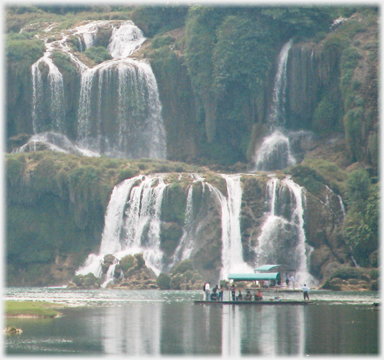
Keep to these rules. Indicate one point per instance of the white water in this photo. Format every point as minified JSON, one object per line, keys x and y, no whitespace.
{"x":282,"y":238}
{"x":185,"y":247}
{"x":54,"y":142}
{"x":125,"y":40}
{"x":131,"y":225}
{"x":56,"y":110}
{"x":274,"y":153}
{"x":134,"y":126}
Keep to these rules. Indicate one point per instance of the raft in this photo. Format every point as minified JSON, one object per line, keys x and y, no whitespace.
{"x":262,"y":302}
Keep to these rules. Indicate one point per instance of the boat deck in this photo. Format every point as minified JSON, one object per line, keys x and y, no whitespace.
{"x":262,"y":302}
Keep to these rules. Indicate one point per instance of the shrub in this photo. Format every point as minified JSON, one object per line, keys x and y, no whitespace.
{"x":140,"y":260}
{"x":98,"y":54}
{"x":160,"y":41}
{"x":127,"y":173}
{"x":163,"y":281}
{"x":176,"y":281}
{"x":127,"y":262}
{"x":182,"y":267}
{"x":63,"y":62}
{"x":346,"y":272}
{"x":374,"y":274}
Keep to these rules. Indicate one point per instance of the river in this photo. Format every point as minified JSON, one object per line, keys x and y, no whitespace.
{"x":166,"y":323}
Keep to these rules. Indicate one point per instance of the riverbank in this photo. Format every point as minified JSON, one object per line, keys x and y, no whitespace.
{"x":31,"y":309}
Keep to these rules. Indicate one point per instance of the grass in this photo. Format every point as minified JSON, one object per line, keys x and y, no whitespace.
{"x":39,"y":309}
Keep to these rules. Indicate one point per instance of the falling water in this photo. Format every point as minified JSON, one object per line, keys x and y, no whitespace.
{"x":131,"y":225}
{"x":119,"y":111}
{"x":282,"y":238}
{"x":125,"y":40}
{"x":123,"y":120}
{"x":274,"y":152}
{"x":56,"y":110}
{"x":276,"y":114}
{"x":185,"y":247}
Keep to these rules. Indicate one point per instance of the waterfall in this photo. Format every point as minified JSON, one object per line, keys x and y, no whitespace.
{"x":119,"y":110}
{"x":131,"y":225}
{"x":123,"y":120}
{"x":55,"y":113}
{"x":185,"y":247}
{"x":274,"y":153}
{"x":125,"y":40}
{"x":282,"y":238}
{"x":276,"y":114}
{"x":232,"y":253}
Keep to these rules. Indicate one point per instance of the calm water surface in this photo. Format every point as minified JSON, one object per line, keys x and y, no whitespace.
{"x":153,"y":322}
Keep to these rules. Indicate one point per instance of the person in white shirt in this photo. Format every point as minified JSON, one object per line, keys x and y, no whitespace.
{"x":305,"y":292}
{"x":207,"y":291}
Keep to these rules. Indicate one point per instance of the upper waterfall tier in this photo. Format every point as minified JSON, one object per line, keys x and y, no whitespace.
{"x":115,"y":109}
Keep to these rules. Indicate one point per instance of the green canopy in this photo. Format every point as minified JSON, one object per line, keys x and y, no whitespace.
{"x":253,"y":277}
{"x":266,"y":267}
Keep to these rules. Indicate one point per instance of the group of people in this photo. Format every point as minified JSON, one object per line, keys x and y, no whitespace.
{"x":217,"y":294}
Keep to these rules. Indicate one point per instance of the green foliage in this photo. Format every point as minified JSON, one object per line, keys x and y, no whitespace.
{"x":127,"y":173}
{"x":98,"y":54}
{"x":159,"y":19}
{"x":361,"y":227}
{"x":22,"y":51}
{"x":15,"y":169}
{"x":63,"y":62}
{"x":176,"y":281}
{"x":170,"y":237}
{"x":126,"y":262}
{"x":89,"y":280}
{"x":300,"y":20}
{"x":328,"y":114}
{"x":140,"y":260}
{"x":163,"y":281}
{"x":233,"y":60}
{"x":307,"y":177}
{"x":173,"y":208}
{"x":345,"y":272}
{"x":182,"y":267}
{"x":160,"y":41}
{"x":34,"y":308}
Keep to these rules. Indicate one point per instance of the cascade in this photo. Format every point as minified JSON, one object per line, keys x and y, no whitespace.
{"x":185,"y":247}
{"x":131,"y":225}
{"x":55,"y":112}
{"x":282,"y":238}
{"x":119,"y":112}
{"x":274,"y":152}
{"x":123,"y":120}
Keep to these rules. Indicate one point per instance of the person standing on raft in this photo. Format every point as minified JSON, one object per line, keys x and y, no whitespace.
{"x":305,"y":292}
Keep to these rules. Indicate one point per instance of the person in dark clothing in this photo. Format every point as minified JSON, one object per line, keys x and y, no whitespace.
{"x":233,"y":292}
{"x":214,"y":295}
{"x":240,"y":296}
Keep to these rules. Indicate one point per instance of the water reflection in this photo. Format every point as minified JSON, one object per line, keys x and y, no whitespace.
{"x":133,"y":330}
{"x":169,"y":323}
